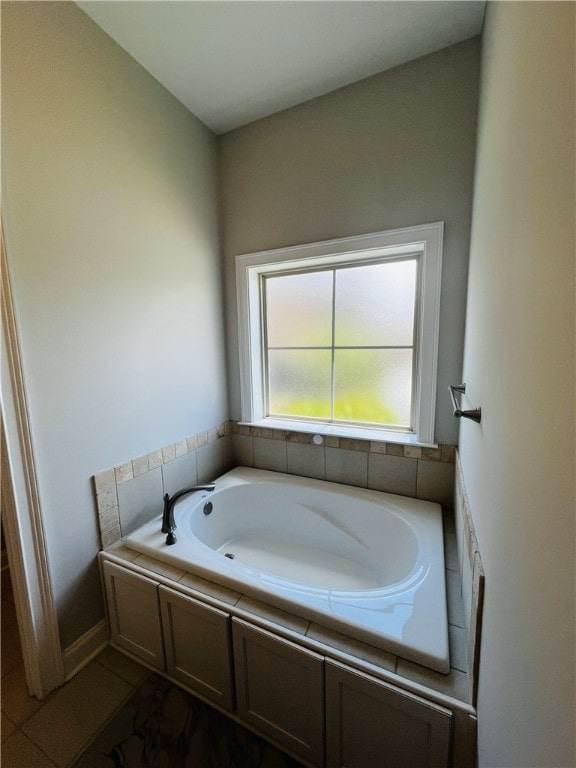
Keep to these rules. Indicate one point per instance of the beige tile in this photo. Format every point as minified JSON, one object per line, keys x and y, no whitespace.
{"x":269,"y":454}
{"x":124,"y":473}
{"x":64,"y":726}
{"x":354,"y":445}
{"x":118,"y":549}
{"x":168,"y":453}
{"x":140,"y":465}
{"x":191,"y":443}
{"x":413,"y":451}
{"x":450,"y":548}
{"x":163,"y":569}
{"x":432,"y":454}
{"x":214,"y":459}
{"x":155,"y":459}
{"x":299,"y":437}
{"x":394,"y":449}
{"x":202,"y":438}
{"x":455,"y":684}
{"x":110,"y":537}
{"x":122,"y":665}
{"x":180,"y":473}
{"x":243,"y":450}
{"x":394,"y":474}
{"x":106,"y":500}
{"x":105,"y":481}
{"x":346,"y":466}
{"x":19,"y":752}
{"x":17,"y":703}
{"x":332,"y":442}
{"x":8,"y":727}
{"x":377,"y":446}
{"x":458,"y":648}
{"x":436,"y":482}
{"x":454,"y":598}
{"x":140,"y":500}
{"x":306,"y":460}
{"x":180,"y":448}
{"x":108,"y":518}
{"x":274,"y":615}
{"x":210,"y":588}
{"x":448,"y":454}
{"x":353,"y":647}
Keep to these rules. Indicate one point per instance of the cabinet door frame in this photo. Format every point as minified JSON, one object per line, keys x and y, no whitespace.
{"x":212,"y":684}
{"x":145,"y":592}
{"x":248,"y":640}
{"x":383,"y":696}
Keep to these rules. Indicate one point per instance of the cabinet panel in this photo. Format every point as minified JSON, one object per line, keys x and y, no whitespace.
{"x":134,"y":615}
{"x":370,"y":724}
{"x":279,"y":689}
{"x":198,"y":646}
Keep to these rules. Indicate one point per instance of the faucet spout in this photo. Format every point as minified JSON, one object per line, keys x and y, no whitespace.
{"x":168,"y":522}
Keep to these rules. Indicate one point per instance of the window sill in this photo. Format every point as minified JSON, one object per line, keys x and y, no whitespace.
{"x":340,"y":430}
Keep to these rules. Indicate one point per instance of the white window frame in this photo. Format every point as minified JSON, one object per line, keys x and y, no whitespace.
{"x":426,"y":242}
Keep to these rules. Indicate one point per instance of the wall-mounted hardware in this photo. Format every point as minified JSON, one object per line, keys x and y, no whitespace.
{"x":475,"y":413}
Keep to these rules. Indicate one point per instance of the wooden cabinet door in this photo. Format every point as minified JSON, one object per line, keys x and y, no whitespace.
{"x":134,"y":613}
{"x":371,"y":724}
{"x":279,"y":689}
{"x":197,"y":639}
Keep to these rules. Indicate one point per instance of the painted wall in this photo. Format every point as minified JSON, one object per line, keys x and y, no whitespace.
{"x":519,"y":366}
{"x":111,"y":220}
{"x":391,"y":151}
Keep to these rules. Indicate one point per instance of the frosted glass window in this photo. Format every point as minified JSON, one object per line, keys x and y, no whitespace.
{"x":373,"y":386}
{"x":300,"y":382}
{"x":340,"y":343}
{"x":374,"y":304}
{"x":299,"y":309}
{"x":341,"y":336}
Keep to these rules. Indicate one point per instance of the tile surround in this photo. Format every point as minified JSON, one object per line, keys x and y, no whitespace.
{"x":456,"y":683}
{"x":424,"y":473}
{"x":472,"y":573}
{"x":131,"y":493}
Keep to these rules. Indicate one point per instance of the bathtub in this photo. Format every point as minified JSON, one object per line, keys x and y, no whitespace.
{"x":367,"y":564}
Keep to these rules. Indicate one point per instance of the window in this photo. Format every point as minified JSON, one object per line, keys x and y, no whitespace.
{"x":341,"y":337}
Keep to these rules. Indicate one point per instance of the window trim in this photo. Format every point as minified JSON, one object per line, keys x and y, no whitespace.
{"x":425,"y":240}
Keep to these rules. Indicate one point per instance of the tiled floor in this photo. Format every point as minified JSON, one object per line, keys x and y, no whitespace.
{"x":54,"y":732}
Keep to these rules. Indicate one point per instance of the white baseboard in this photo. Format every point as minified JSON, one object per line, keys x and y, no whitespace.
{"x":86,"y":648}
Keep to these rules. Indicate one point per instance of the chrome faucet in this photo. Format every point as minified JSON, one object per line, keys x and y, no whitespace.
{"x":168,"y":522}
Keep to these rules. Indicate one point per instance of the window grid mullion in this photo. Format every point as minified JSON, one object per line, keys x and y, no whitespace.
{"x":333,"y":345}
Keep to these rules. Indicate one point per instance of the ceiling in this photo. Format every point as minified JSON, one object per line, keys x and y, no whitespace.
{"x":234,"y":61}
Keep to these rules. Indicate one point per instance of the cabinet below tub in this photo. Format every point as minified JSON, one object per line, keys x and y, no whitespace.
{"x":321,"y":711}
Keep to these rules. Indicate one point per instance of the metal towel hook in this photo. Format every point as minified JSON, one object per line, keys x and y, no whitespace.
{"x":475,"y":413}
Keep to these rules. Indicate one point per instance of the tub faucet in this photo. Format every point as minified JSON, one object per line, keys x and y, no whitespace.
{"x":168,"y":522}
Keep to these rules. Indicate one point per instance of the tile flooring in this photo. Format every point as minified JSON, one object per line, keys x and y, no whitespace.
{"x":54,"y":732}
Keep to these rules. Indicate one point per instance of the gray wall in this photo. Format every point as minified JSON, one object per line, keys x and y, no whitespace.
{"x":519,"y":366}
{"x":110,"y":212}
{"x":391,"y":151}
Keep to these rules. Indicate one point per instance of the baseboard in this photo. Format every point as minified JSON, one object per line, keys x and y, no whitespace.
{"x":86,"y":648}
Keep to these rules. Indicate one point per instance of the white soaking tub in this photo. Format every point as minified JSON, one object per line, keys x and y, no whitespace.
{"x":367,"y":564}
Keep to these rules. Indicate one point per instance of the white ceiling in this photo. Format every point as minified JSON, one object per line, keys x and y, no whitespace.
{"x":233,"y":61}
